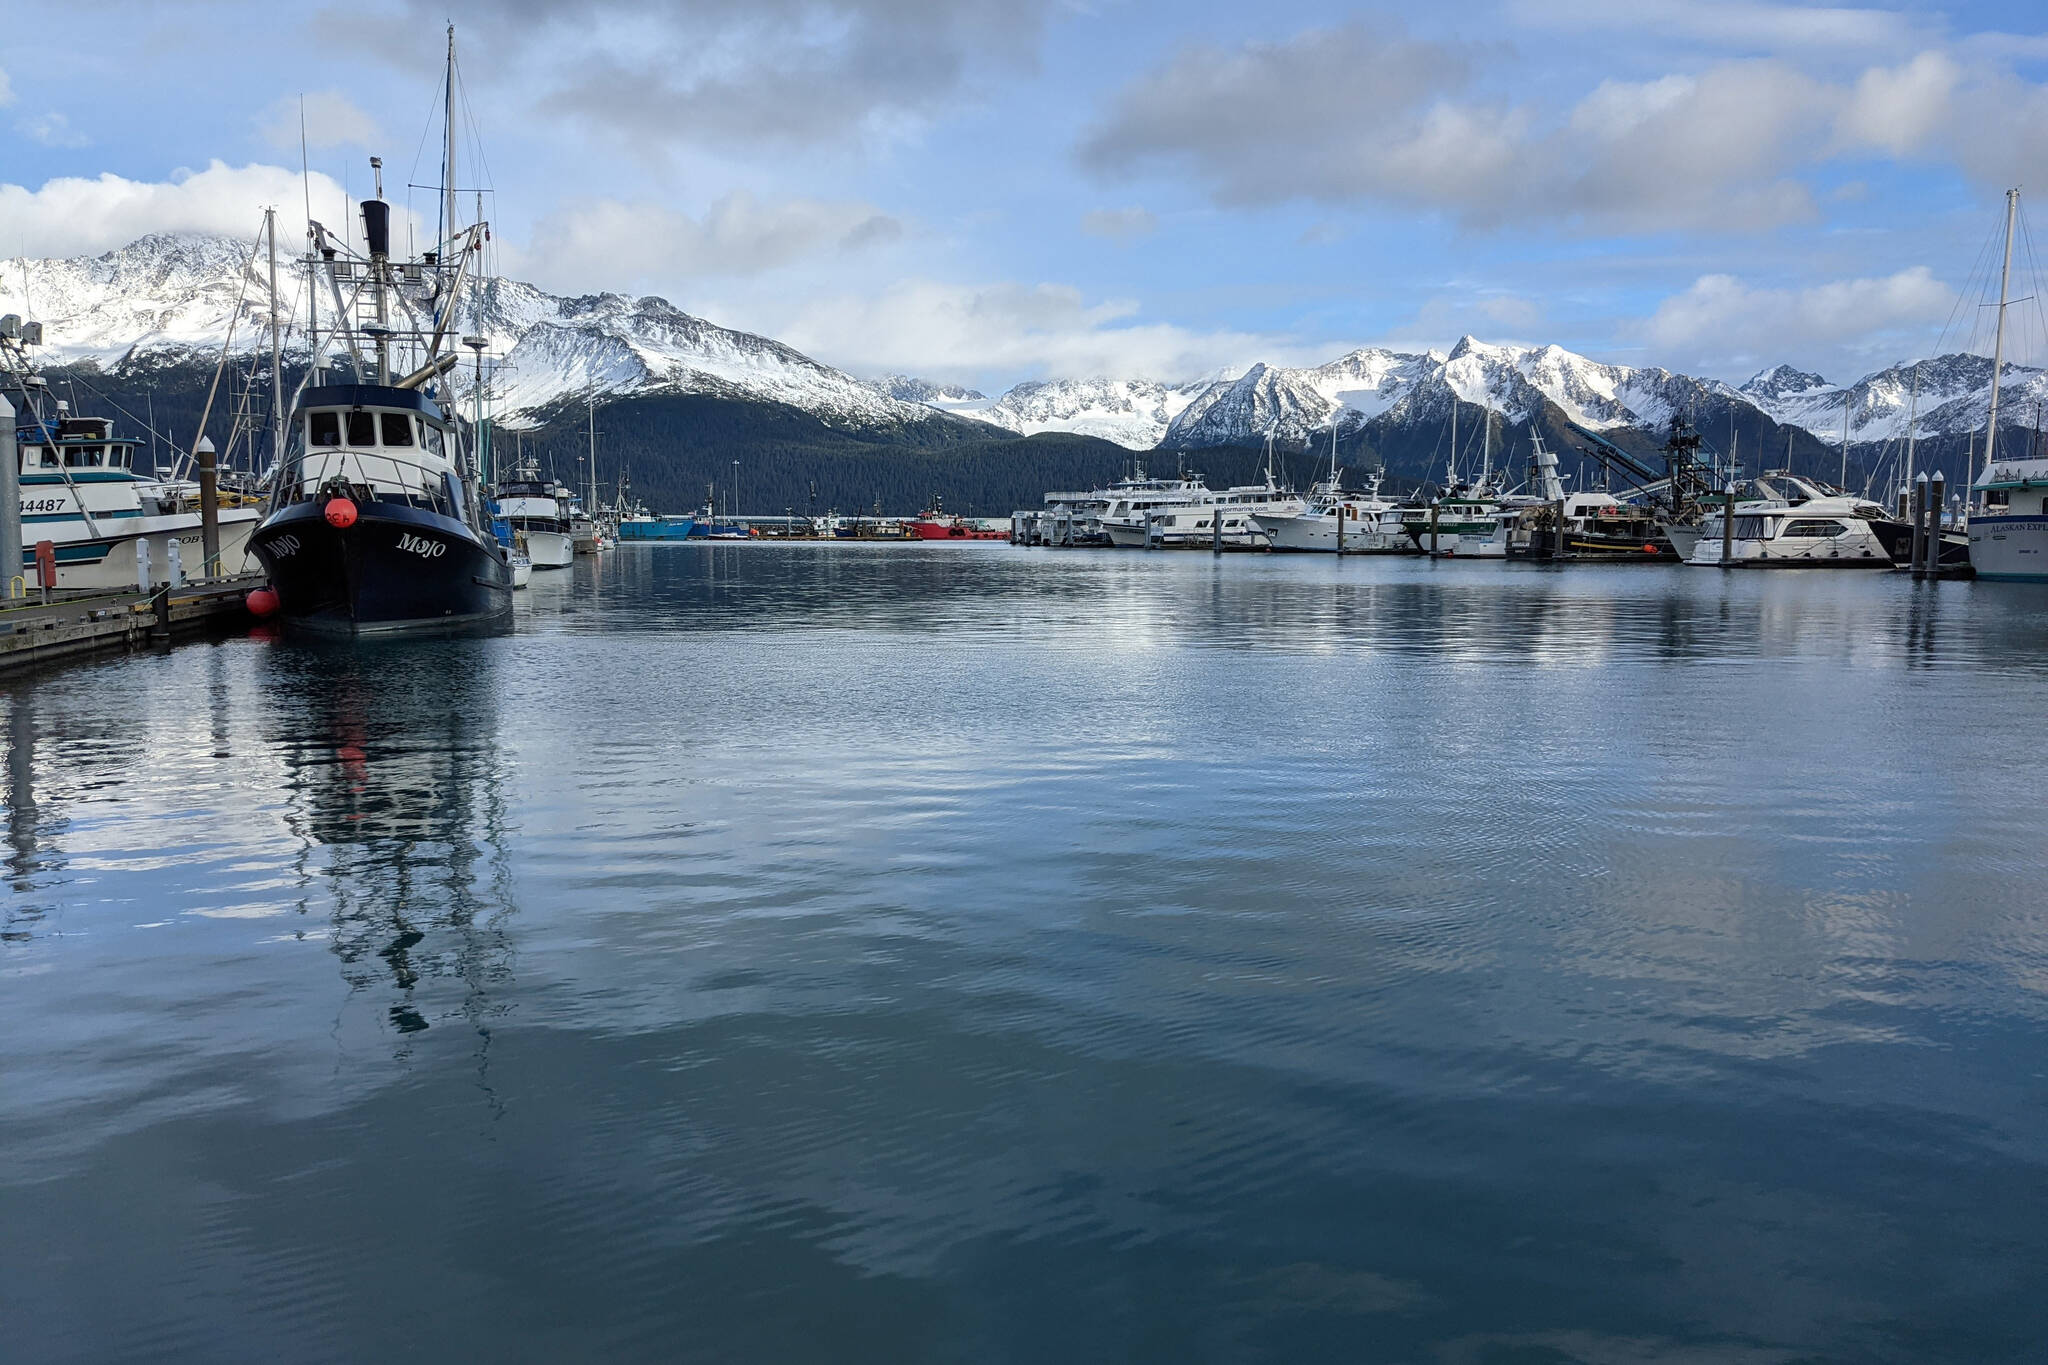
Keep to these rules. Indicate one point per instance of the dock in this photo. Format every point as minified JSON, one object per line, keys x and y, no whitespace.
{"x":34,"y":632}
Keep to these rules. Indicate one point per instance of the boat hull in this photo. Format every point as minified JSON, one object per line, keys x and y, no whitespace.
{"x":109,"y":561}
{"x":550,"y":549}
{"x":953,"y":530}
{"x":398,"y":569}
{"x":2009,"y":549}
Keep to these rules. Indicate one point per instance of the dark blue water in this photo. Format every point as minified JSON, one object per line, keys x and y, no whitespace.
{"x":899,"y":953}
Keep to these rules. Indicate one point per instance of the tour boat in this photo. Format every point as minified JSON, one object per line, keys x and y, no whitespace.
{"x":377,"y":521}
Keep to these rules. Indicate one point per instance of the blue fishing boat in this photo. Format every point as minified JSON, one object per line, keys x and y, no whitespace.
{"x":641,"y":526}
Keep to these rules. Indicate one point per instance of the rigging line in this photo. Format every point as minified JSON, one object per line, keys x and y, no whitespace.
{"x":1964,"y":293}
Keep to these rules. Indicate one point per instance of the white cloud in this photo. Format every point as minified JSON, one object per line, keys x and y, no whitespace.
{"x":331,"y":120}
{"x":1120,"y":225}
{"x":75,"y":216}
{"x":6,"y":90}
{"x":1720,"y":316}
{"x":1368,"y":115}
{"x":969,"y":333}
{"x":1731,"y":24}
{"x":641,"y":245}
{"x":51,"y":129}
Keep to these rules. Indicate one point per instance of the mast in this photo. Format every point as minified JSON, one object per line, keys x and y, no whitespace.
{"x":448,"y":162}
{"x":276,"y":350}
{"x":2012,"y":205}
{"x":1451,"y":465}
{"x":1847,"y":394}
{"x":1912,"y":413}
{"x":1486,"y":447}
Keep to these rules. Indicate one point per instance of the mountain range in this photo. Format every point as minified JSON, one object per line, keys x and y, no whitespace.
{"x":169,"y":298}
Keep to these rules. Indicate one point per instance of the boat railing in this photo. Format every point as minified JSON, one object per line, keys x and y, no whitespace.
{"x":381,"y":476}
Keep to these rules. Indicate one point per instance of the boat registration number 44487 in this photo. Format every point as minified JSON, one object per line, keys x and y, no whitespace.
{"x":424,"y":546}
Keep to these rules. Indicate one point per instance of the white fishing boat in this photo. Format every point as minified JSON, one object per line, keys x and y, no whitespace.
{"x":81,"y":492}
{"x":537,"y":509}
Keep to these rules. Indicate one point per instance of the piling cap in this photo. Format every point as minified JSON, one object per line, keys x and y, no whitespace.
{"x":205,"y":446}
{"x":1922,"y":478}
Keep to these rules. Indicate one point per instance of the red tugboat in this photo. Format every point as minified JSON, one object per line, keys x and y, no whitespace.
{"x":936,"y":524}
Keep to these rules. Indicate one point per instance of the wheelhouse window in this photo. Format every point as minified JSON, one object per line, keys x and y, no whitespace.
{"x":324,"y":428}
{"x":51,"y":460}
{"x":1754,"y":528}
{"x":362,"y":428}
{"x":397,"y":428}
{"x":431,"y":437}
{"x":85,"y":457}
{"x":1997,"y":497}
{"x":1814,"y":530}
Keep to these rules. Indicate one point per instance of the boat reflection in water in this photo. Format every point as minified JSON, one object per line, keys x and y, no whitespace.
{"x":394,"y":779}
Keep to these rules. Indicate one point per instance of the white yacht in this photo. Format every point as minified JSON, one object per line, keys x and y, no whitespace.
{"x":1075,"y":518}
{"x":1335,"y":521}
{"x":1802,"y":523}
{"x":537,"y":509}
{"x":81,"y":492}
{"x":1188,"y":520}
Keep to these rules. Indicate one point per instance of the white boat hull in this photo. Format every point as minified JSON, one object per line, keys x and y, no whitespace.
{"x":110,"y":561}
{"x":2009,"y":549}
{"x":1315,"y":533}
{"x":550,"y":549}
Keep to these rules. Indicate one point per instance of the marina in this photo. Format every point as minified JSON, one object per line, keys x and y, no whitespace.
{"x":894,"y":990}
{"x":1023,"y":684}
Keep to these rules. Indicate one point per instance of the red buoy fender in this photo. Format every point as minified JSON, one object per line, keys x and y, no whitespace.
{"x":341,"y":513}
{"x":261,"y":602}
{"x":1649,"y":549}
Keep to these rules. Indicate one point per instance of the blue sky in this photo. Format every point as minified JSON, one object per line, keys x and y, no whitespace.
{"x":999,"y":190}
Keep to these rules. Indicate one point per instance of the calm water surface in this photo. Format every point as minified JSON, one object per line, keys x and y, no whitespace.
{"x":892,"y":953}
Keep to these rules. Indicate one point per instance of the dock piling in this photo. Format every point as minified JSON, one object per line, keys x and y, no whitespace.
{"x":1937,"y":503}
{"x":209,"y":510}
{"x":1216,"y":529}
{"x":1920,"y":526}
{"x":1728,"y":526}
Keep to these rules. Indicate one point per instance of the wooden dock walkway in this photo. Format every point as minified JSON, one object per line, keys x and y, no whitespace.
{"x":33,"y":632}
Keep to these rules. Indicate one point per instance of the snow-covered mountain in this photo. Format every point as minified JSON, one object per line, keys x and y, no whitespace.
{"x":167,"y":297}
{"x":1947,"y":395}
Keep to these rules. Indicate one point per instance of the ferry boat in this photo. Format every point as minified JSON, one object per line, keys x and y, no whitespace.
{"x":377,"y":521}
{"x":80,"y":490}
{"x":935,"y":523}
{"x":536,"y":507}
{"x":1801,"y":523}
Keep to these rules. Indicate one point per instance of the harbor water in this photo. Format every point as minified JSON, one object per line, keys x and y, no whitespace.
{"x":838,"y":952}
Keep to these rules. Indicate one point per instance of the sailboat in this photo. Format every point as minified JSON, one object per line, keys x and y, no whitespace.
{"x":2009,"y":525}
{"x":377,"y":521}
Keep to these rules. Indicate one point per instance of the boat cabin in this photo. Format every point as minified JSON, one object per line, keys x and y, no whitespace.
{"x":69,"y":447}
{"x":376,"y":442}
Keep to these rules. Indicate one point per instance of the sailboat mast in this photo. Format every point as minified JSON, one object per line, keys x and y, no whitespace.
{"x":2012,"y":205}
{"x":1486,"y":446}
{"x":276,"y":348}
{"x":1912,"y":416}
{"x":1843,"y":483}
